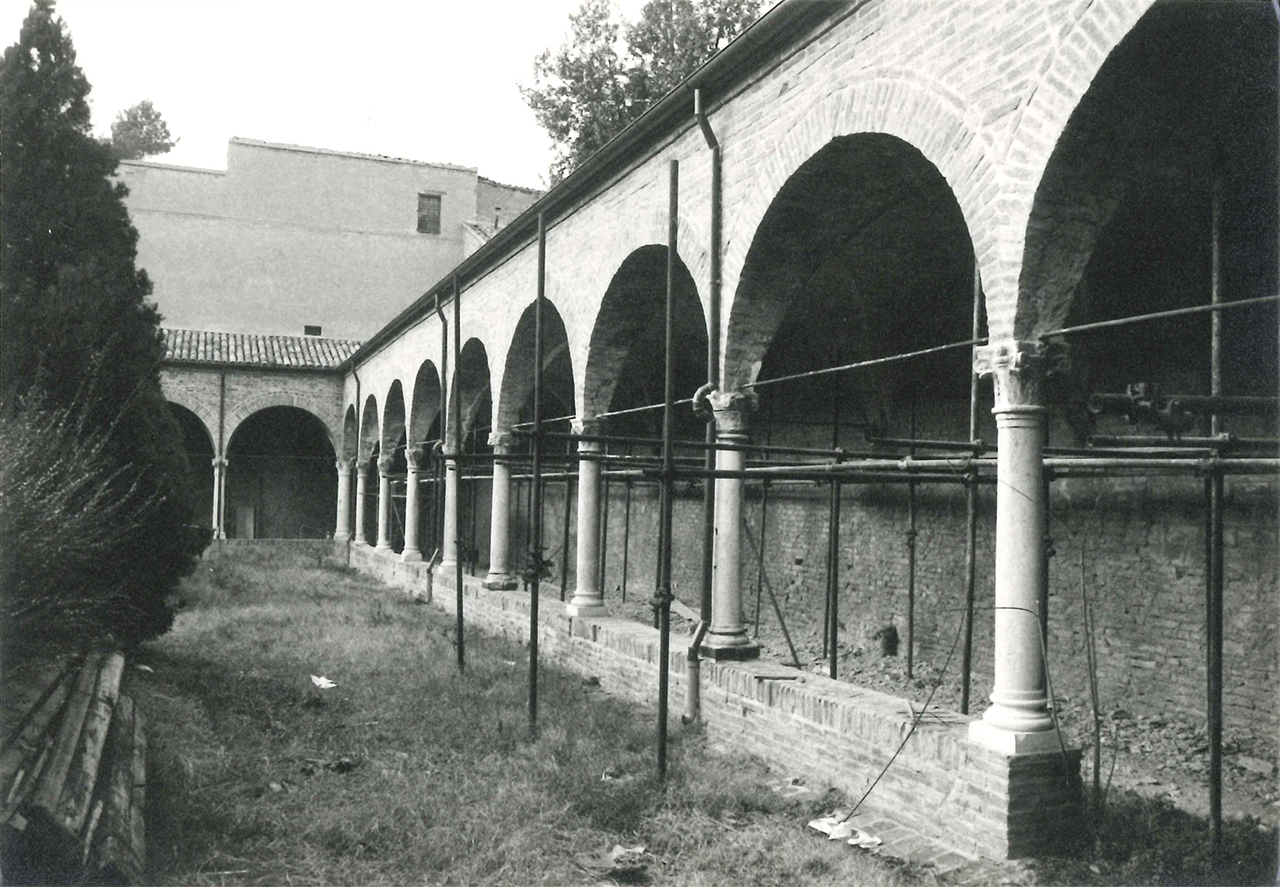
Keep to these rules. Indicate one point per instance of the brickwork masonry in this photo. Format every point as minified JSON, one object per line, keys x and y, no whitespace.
{"x":943,"y":786}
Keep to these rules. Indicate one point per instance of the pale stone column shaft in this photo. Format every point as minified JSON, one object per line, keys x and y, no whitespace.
{"x":449,"y":543}
{"x":384,"y":503}
{"x":412,"y":549}
{"x":1018,"y":720}
{"x":501,"y":575}
{"x":727,"y":636}
{"x":342,"y":525}
{"x":362,"y":496}
{"x":219,"y":495}
{"x":587,"y":599}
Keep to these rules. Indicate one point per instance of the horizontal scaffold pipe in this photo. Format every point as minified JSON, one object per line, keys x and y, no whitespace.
{"x":718,"y":445}
{"x":1220,"y":441}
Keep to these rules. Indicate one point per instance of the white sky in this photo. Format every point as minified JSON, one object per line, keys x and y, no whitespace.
{"x":429,"y":80}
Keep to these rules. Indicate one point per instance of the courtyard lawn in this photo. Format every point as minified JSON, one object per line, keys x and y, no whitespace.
{"x":407,"y":772}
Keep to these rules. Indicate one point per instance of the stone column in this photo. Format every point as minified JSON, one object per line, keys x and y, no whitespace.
{"x":501,"y":575}
{"x":727,"y":636}
{"x":412,"y":549}
{"x":362,"y":494}
{"x":449,"y":538}
{"x":219,"y":494}
{"x":1018,"y":720}
{"x":342,"y":526}
{"x":587,"y":599}
{"x":384,"y":504}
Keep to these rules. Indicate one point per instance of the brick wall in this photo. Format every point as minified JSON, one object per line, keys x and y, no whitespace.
{"x":942,"y":785}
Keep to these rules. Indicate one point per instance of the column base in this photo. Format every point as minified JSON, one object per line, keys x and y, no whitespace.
{"x":450,"y":566}
{"x":410,"y":555}
{"x":383,"y":546}
{"x":1013,"y":742}
{"x":720,"y":652}
{"x":586,"y":606}
{"x":341,"y":537}
{"x":501,"y":582}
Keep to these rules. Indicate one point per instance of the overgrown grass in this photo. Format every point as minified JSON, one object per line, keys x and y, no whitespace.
{"x":408,"y":772}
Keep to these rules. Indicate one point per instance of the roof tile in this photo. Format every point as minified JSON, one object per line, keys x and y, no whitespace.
{"x":247,"y":349}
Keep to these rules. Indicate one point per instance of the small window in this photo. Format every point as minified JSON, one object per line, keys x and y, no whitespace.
{"x":428,"y":213}
{"x":309,"y":330}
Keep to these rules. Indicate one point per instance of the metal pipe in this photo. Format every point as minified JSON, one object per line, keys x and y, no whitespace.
{"x":626,"y":538}
{"x":764,"y":514}
{"x":604,"y":528}
{"x":833,"y":579}
{"x":564,"y":546}
{"x":535,"y":511}
{"x":693,"y":676}
{"x":1220,"y":441}
{"x":668,"y":469}
{"x":1215,"y":572}
{"x":977,"y":447}
{"x":911,"y":559}
{"x":444,"y":409}
{"x":1160,"y":315}
{"x":720,"y":445}
{"x":457,"y":443}
{"x":970,"y":572}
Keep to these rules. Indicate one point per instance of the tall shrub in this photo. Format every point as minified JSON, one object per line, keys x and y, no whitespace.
{"x":80,"y":348}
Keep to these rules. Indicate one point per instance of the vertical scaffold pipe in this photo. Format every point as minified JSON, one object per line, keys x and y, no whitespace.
{"x":604,"y":525}
{"x":535,"y":510}
{"x":1214,"y":573}
{"x":668,"y":466}
{"x":564,"y":545}
{"x":971,"y":511}
{"x":457,"y":443}
{"x":911,"y":558}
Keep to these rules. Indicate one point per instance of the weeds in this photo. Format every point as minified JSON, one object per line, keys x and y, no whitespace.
{"x":407,"y":771}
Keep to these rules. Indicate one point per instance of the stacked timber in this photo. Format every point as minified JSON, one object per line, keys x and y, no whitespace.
{"x":73,"y":776}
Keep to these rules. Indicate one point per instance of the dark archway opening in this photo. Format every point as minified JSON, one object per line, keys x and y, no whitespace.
{"x":198,"y":447}
{"x":282,"y":479}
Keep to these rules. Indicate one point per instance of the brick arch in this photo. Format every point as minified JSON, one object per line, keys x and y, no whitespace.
{"x":206,"y":413}
{"x":393,"y":417}
{"x":1082,"y":49}
{"x":325,"y":412}
{"x":631,"y":305}
{"x":471,"y":383}
{"x":425,"y":405}
{"x":369,"y":436}
{"x":920,"y":112}
{"x":582,"y":296}
{"x":515,"y":389}
{"x":350,"y":433}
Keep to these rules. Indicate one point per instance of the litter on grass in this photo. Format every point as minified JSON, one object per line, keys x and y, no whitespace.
{"x":618,"y":861}
{"x":322,"y":682}
{"x":838,"y":828}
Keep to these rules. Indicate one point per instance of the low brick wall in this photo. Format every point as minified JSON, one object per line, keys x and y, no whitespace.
{"x":942,"y":785}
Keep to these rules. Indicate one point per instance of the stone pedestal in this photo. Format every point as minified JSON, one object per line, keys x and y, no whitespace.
{"x":727,"y":636}
{"x":501,"y":576}
{"x":449,"y":537}
{"x":412,"y":550}
{"x":362,"y":497}
{"x":587,"y":599}
{"x":1018,"y":720}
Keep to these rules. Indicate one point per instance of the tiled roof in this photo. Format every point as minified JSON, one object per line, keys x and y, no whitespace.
{"x":247,"y":349}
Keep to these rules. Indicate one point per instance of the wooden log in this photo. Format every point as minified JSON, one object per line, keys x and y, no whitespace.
{"x":76,"y":799}
{"x":58,"y":845}
{"x":119,"y":856}
{"x":28,"y":751}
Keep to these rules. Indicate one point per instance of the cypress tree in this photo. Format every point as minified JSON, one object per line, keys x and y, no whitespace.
{"x":80,"y":341}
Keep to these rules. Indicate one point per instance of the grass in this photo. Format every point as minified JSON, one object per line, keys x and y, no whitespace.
{"x":409,"y":772}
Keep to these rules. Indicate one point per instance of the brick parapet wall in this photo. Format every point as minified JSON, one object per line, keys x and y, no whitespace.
{"x":942,"y":785}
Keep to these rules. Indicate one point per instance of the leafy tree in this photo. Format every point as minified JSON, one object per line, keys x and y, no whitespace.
{"x":594,"y":84}
{"x":139,"y":132}
{"x":78,"y":336}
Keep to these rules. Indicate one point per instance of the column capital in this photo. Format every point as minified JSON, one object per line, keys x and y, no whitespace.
{"x":594,"y":425}
{"x":503,"y":442}
{"x":384,"y":465}
{"x":414,"y":457}
{"x":731,"y":409}
{"x":344,"y":465}
{"x":1017,"y":369}
{"x":219,"y":463}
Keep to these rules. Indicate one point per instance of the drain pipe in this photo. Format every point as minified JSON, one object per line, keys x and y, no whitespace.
{"x":693,"y":696}
{"x":355,"y":372}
